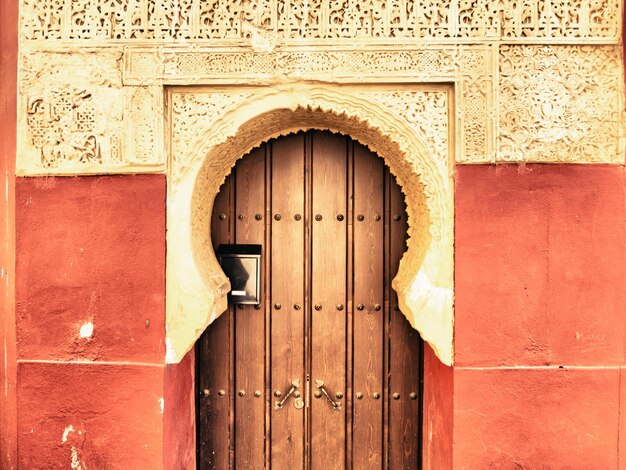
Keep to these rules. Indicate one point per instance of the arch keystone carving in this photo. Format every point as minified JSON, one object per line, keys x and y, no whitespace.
{"x":211,"y":128}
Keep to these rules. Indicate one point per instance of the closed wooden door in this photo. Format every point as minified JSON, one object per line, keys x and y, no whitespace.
{"x":326,"y":372}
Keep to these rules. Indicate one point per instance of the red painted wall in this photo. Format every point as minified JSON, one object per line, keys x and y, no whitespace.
{"x":540,"y":328}
{"x":91,"y":249}
{"x":540,"y":318}
{"x":437,"y":430}
{"x":179,"y":434}
{"x":8,"y":130}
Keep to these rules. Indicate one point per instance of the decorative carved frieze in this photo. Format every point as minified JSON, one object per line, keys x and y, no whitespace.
{"x":276,"y":21}
{"x":472,"y":68}
{"x":561,"y":103}
{"x":539,"y":103}
{"x":427,"y":63}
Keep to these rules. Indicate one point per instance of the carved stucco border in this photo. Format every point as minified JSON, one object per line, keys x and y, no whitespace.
{"x":473,"y":68}
{"x":197,"y":287}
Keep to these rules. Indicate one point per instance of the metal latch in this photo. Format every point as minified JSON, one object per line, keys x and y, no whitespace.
{"x":319,"y":384}
{"x":295,"y":384}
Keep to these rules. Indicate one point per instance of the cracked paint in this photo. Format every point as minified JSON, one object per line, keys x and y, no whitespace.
{"x":86,"y":330}
{"x":66,"y":433}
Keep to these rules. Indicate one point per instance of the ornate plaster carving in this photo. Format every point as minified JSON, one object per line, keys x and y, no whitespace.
{"x":77,"y":117}
{"x":406,"y":125}
{"x":497,"y":98}
{"x":270,"y":21}
{"x":561,"y":103}
{"x":472,"y":68}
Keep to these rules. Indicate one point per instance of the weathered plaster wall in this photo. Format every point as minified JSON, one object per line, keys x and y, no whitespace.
{"x":90,"y":321}
{"x":179,"y":426}
{"x":90,"y":252}
{"x":8,"y":137}
{"x":87,"y":416}
{"x":437,"y":424}
{"x":540,"y":324}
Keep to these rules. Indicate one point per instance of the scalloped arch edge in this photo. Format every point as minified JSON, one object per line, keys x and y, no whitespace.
{"x":218,"y":136}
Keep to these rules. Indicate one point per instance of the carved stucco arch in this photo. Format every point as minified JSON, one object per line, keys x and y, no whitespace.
{"x":196,"y":285}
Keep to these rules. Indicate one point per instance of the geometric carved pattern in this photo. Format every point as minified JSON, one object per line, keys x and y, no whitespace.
{"x":319,"y":19}
{"x":63,"y":127}
{"x":77,"y":117}
{"x":561,"y":103}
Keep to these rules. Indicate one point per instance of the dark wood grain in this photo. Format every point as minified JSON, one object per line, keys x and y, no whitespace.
{"x":250,"y":321}
{"x":404,"y":429}
{"x":212,"y":373}
{"x":287,"y":337}
{"x":369,"y":322}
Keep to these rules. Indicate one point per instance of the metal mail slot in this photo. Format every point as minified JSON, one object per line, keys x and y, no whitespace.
{"x":242,"y":265}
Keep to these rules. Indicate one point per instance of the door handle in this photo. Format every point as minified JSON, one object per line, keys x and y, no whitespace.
{"x":319,"y":384}
{"x":295,"y":384}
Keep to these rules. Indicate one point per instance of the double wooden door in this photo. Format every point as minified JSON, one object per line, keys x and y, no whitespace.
{"x":326,"y":372}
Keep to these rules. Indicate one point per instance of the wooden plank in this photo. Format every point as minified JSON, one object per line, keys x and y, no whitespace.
{"x":349,"y":399}
{"x":287,"y":290}
{"x":308,"y":273}
{"x":231,"y":339}
{"x":250,"y":321}
{"x":368,"y":313}
{"x":387,"y":312}
{"x":328,"y":325}
{"x":212,"y":373}
{"x":406,"y":363}
{"x":266,"y":304}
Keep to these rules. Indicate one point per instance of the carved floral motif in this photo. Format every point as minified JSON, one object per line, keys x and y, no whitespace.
{"x":319,"y":19}
{"x":192,"y":115}
{"x":561,"y":103}
{"x":469,"y":66}
{"x":425,"y":111}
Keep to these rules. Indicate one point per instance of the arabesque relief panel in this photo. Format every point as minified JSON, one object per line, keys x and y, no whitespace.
{"x":78,"y":118}
{"x":561,"y":104}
